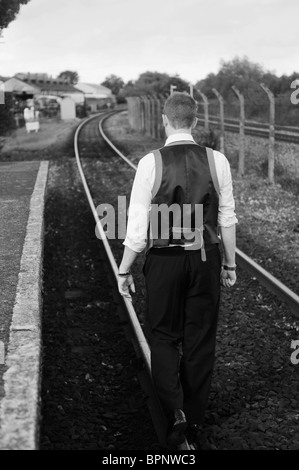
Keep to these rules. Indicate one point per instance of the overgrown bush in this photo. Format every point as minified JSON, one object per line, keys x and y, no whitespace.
{"x":209,"y":138}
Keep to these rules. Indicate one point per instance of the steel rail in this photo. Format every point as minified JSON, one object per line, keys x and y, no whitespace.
{"x":249,"y":265}
{"x":142,"y":342}
{"x":254,"y":124}
{"x":270,"y":282}
{"x":266,"y":279}
{"x":119,"y":153}
{"x":132,"y":314}
{"x":282,"y":136}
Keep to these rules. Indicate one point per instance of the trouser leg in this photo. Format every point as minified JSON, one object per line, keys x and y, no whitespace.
{"x":200,"y":325}
{"x":165,"y":283}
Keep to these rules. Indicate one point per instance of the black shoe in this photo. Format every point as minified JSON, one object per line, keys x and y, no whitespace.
{"x":193,"y":435}
{"x":176,"y":435}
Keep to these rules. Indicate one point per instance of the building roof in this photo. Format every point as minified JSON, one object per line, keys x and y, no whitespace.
{"x":58,"y":87}
{"x":44,"y":83}
{"x":32,"y":76}
{"x":17,"y":86}
{"x":4,"y":79}
{"x":94,"y":90}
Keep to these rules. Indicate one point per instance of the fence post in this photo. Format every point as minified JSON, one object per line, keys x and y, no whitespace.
{"x":143,"y":113}
{"x":139,"y":113}
{"x":241,"y":163}
{"x":130,"y":111}
{"x":161,"y":108}
{"x":271,"y":157}
{"x":153,"y":126}
{"x":220,"y":99}
{"x":156,"y":116}
{"x":206,"y":108}
{"x":136,"y":113}
{"x":152,"y":115}
{"x":149,"y":116}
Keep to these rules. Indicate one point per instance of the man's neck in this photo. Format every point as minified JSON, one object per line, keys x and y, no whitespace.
{"x":172,"y":131}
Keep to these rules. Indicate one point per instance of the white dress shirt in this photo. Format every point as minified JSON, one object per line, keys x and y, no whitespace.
{"x":141,"y":195}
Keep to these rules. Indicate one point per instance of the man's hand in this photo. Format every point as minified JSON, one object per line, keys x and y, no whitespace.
{"x":228,"y":278}
{"x":125,"y":284}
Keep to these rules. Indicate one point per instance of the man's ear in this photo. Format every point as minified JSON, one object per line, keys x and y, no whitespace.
{"x":165,"y":120}
{"x":194,"y":123}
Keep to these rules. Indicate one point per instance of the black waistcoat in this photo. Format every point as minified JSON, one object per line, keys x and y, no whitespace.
{"x":184,"y":197}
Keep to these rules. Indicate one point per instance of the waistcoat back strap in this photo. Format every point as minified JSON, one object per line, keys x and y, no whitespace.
{"x":211,"y":160}
{"x":158,"y":172}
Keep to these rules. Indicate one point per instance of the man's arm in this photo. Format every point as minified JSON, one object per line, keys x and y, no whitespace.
{"x":128,"y":259}
{"x":138,"y":219}
{"x":226,"y":219}
{"x":228,"y":239}
{"x":125,"y":283}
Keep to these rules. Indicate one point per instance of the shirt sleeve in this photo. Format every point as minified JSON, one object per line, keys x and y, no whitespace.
{"x":140,"y":204}
{"x":226,"y":211}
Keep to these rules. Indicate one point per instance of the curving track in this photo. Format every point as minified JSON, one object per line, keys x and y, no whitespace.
{"x":129,"y":307}
{"x":89,"y":129}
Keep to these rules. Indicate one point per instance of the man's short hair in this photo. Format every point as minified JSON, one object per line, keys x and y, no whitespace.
{"x":181,"y":109}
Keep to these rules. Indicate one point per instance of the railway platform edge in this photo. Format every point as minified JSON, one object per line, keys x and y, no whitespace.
{"x":19,"y":410}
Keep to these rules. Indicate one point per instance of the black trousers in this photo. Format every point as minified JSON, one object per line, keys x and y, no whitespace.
{"x":183,"y":294}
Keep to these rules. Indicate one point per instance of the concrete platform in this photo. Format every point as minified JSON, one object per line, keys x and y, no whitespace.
{"x":22,"y":198}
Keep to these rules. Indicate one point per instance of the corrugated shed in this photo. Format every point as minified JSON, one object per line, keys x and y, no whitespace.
{"x":94,"y":90}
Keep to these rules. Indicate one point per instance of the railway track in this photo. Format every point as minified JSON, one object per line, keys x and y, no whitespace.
{"x":282,"y":133}
{"x":282,"y":292}
{"x":139,"y":339}
{"x":266,"y":278}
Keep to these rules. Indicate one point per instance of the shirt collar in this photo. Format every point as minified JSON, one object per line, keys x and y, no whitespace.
{"x":178,"y":137}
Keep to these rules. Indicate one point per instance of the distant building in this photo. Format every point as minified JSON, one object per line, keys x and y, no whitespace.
{"x":47,"y":85}
{"x":4,"y":79}
{"x":46,"y":92}
{"x":20,"y":90}
{"x":96,"y":96}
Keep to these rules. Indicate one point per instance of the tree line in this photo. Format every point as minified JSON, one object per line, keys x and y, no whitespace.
{"x":240,"y":72}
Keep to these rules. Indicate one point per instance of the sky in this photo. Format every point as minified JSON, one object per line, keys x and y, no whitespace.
{"x":190,"y":38}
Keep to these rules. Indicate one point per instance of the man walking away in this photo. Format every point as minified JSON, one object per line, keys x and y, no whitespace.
{"x":184,"y":197}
